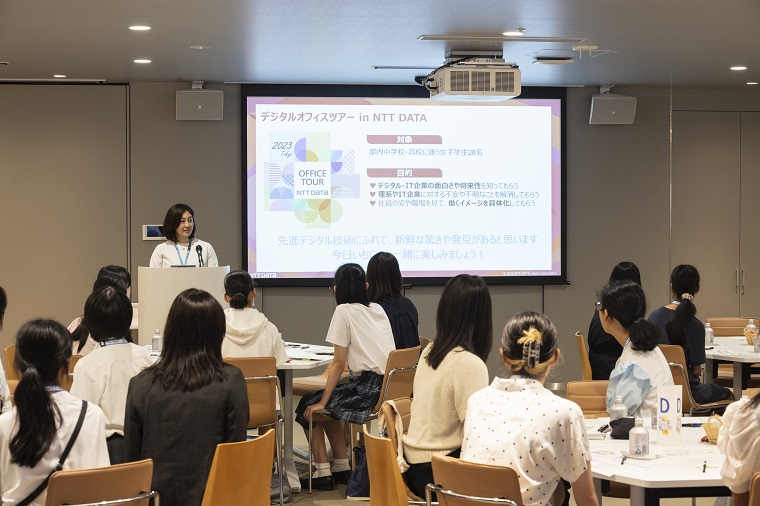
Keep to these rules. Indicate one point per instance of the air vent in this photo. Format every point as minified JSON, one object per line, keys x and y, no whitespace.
{"x":504,"y":82}
{"x":460,"y":80}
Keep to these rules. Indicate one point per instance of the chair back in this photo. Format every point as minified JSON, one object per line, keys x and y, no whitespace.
{"x":103,"y":485}
{"x":591,"y":396}
{"x":399,"y":376}
{"x":424,"y":343}
{"x":470,"y":479}
{"x":10,"y":362}
{"x":754,"y":490}
{"x":449,"y":498}
{"x":241,"y":473}
{"x":676,"y":358}
{"x":730,"y":326}
{"x":263,"y":388}
{"x":583,"y":354}
{"x":12,"y":384}
{"x":69,"y":380}
{"x":388,"y":487}
{"x":404,"y":408}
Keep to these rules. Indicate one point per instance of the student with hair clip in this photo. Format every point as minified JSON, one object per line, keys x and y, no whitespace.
{"x":34,"y":436}
{"x":603,"y":349}
{"x":188,"y":402}
{"x":5,"y":393}
{"x":738,"y":440}
{"x":518,"y":423}
{"x":181,"y":247}
{"x":102,"y":377}
{"x":641,"y":367}
{"x":249,"y":333}
{"x":679,"y":325}
{"x":362,"y":337}
{"x":384,"y":285}
{"x":450,"y":369}
{"x":110,"y":275}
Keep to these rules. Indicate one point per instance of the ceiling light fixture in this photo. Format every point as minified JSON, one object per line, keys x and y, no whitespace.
{"x":517,"y":32}
{"x":142,"y":61}
{"x":59,"y":76}
{"x":139,"y":28}
{"x":739,"y":67}
{"x":199,"y":47}
{"x":752,"y":83}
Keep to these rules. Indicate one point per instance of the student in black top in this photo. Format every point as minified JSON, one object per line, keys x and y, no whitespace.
{"x":384,"y":287}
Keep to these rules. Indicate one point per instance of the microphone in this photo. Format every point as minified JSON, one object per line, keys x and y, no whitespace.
{"x":199,"y":250}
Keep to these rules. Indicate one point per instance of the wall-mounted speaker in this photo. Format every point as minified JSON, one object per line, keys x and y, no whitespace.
{"x":200,"y":105}
{"x":612,"y":109}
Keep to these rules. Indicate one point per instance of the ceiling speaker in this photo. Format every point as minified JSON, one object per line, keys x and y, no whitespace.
{"x":200,"y":105}
{"x":612,"y":109}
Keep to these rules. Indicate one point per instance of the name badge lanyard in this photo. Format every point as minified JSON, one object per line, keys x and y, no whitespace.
{"x":187,"y":255}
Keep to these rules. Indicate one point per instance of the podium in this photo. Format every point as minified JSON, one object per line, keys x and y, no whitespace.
{"x":159,"y":286}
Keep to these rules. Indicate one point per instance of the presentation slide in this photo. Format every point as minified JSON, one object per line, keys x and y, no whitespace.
{"x":448,"y":188}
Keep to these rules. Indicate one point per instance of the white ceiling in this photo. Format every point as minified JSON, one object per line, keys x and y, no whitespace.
{"x":686,"y":43}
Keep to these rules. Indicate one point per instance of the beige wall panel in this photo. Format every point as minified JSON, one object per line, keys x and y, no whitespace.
{"x":63,"y":206}
{"x":194,"y":162}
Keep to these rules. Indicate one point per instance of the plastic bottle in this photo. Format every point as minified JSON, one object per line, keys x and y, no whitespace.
{"x":618,"y":409}
{"x":709,"y":335}
{"x":750,"y":332}
{"x":638,"y":439}
{"x":156,"y":340}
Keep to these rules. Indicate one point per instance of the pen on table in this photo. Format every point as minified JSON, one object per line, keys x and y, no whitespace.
{"x":709,"y":348}
{"x":623,"y":460}
{"x":604,"y":427}
{"x":704,"y":466}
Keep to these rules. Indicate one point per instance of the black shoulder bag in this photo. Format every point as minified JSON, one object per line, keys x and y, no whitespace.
{"x":37,"y":491}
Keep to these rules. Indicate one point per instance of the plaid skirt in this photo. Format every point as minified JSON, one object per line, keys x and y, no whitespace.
{"x":351,"y":402}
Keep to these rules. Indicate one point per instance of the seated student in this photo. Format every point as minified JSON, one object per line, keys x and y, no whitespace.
{"x":188,"y":402}
{"x":249,"y":333}
{"x":738,"y":441}
{"x":679,"y":325}
{"x":5,"y":393}
{"x":34,"y":434}
{"x":102,"y":377}
{"x":603,"y":349}
{"x":384,"y":284}
{"x":450,"y":369}
{"x":110,"y":275}
{"x":641,"y":367}
{"x":518,"y":423}
{"x":362,"y":336}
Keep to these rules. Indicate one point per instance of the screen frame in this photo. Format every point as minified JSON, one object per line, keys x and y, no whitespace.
{"x":398,"y":91}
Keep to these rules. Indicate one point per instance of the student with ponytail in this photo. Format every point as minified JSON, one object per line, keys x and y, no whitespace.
{"x":518,"y":423}
{"x":248,"y":332}
{"x":679,"y":325}
{"x":641,"y":367}
{"x":35,"y":433}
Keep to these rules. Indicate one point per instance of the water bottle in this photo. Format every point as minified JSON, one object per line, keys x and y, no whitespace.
{"x":750,"y":331}
{"x":638,"y":439}
{"x":709,"y":335}
{"x":156,"y":340}
{"x":618,"y":409}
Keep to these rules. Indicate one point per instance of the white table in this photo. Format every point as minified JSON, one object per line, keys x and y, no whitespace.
{"x":677,"y":472}
{"x":296,"y":351}
{"x":731,"y":349}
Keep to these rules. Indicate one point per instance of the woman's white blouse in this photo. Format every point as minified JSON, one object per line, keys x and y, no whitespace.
{"x":518,"y":423}
{"x":739,"y":441}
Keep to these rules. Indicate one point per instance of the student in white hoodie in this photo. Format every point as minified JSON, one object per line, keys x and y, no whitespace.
{"x":249,"y":333}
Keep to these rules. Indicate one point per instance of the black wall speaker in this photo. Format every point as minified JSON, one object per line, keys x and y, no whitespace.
{"x":200,"y":105}
{"x":612,"y":109}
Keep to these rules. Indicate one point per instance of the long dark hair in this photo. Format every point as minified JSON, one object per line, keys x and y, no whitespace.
{"x":684,"y":282}
{"x":625,"y":271}
{"x":108,"y":313}
{"x":237,"y":285}
{"x":192,"y":353}
{"x":625,"y":301}
{"x":3,"y":305}
{"x":463,"y":319}
{"x":43,"y":348}
{"x":383,"y":277}
{"x":529,"y":341}
{"x":351,"y":285}
{"x":174,"y":217}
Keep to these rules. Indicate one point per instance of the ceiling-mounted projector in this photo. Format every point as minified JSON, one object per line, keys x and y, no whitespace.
{"x":474,"y":78}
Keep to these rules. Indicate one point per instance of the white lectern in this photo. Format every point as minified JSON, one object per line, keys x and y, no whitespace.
{"x":158,"y":287}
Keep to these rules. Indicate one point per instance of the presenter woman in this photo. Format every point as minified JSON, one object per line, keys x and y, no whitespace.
{"x":181,"y":247}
